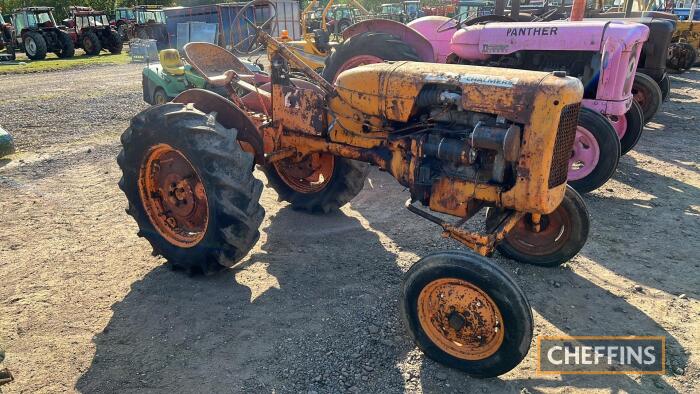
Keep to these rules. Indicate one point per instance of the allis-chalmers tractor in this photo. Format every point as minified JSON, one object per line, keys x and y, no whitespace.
{"x":37,"y":33}
{"x":91,"y":31}
{"x":603,"y":55}
{"x":7,"y":39}
{"x":459,"y":138}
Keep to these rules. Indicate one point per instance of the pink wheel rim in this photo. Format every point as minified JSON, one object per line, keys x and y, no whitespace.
{"x":619,"y":123}
{"x":585,"y":154}
{"x":357,"y":61}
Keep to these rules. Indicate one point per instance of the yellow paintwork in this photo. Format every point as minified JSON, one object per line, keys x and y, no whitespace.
{"x":375,"y":93}
{"x":689,"y":32}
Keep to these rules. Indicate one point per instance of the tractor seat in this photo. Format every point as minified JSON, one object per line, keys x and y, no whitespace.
{"x":214,"y":62}
{"x":171,"y":62}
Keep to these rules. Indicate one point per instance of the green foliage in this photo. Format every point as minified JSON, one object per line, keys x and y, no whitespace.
{"x":61,"y":6}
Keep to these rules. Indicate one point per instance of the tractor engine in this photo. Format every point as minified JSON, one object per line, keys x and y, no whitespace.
{"x":460,"y":133}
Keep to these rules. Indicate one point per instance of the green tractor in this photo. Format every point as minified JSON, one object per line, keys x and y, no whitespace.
{"x":172,"y":76}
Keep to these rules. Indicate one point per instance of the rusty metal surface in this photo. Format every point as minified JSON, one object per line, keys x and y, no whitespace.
{"x":228,"y":115}
{"x":422,"y":46}
{"x":299,"y":109}
{"x":460,"y":318}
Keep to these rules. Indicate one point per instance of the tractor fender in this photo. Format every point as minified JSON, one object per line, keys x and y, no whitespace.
{"x":422,"y":46}
{"x":228,"y":115}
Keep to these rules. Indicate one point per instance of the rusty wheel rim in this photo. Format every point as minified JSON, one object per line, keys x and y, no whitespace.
{"x":310,"y":175}
{"x":555,"y":231}
{"x":460,"y":318}
{"x":173,"y":196}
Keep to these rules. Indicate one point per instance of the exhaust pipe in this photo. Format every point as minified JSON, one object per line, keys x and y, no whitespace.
{"x":578,"y":9}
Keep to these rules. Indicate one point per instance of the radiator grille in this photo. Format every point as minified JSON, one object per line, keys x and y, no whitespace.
{"x":563,"y":145}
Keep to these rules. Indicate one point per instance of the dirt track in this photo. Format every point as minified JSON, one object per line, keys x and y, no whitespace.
{"x":85,"y":307}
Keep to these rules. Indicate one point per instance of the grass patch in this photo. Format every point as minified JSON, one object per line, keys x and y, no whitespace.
{"x":53,"y":63}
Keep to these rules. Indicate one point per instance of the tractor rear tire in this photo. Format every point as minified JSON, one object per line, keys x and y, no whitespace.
{"x":665,"y":85}
{"x":562,"y":235}
{"x":635,"y":126}
{"x":199,"y":208}
{"x":466,"y":313}
{"x":91,"y":44}
{"x":34,"y":46}
{"x":343,"y":184}
{"x":647,"y":94}
{"x":67,"y":46}
{"x":595,"y":136}
{"x":366,"y":48}
{"x":11,"y":51}
{"x":115,"y":43}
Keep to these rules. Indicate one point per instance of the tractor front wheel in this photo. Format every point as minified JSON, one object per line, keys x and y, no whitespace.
{"x":159,"y":96}
{"x":647,"y":94}
{"x":34,"y":46}
{"x":319,"y":182}
{"x":560,"y":236}
{"x":91,"y":44}
{"x":629,"y":127}
{"x":596,"y":152}
{"x":466,"y":313}
{"x":665,"y":85}
{"x":190,"y":188}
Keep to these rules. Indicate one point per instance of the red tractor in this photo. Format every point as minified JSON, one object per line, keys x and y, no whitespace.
{"x":37,"y":33}
{"x":7,"y":39}
{"x":91,"y":31}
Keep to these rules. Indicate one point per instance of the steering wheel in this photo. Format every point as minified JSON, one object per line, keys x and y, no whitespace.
{"x":456,"y":21}
{"x":243,"y":25}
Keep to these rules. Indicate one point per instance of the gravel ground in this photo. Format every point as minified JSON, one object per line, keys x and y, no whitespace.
{"x":314,"y":307}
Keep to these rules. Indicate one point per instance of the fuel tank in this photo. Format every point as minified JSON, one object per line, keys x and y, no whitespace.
{"x":480,"y":42}
{"x":389,"y":90}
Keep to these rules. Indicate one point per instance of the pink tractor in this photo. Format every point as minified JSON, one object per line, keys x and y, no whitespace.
{"x":602,"y":54}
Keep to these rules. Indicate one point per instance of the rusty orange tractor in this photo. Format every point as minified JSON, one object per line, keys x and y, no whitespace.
{"x":459,"y":138}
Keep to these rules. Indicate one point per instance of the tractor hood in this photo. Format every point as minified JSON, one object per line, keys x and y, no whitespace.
{"x":390,"y":89}
{"x":480,"y":42}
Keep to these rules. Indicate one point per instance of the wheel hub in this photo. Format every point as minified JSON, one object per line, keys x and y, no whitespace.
{"x":309,"y":175}
{"x":173,"y":196}
{"x":460,"y":318}
{"x":554,"y":231}
{"x":584,"y":156}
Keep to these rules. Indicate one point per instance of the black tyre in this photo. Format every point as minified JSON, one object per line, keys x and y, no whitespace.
{"x":34,"y":46}
{"x":11,"y":52}
{"x":91,"y":44}
{"x":341,"y":26}
{"x":665,"y":86}
{"x":319,"y":183}
{"x":115,"y":43}
{"x":466,"y":313}
{"x":596,"y":152}
{"x":190,"y":188}
{"x":563,"y":233}
{"x":159,"y":97}
{"x":67,"y":46}
{"x":366,"y":48}
{"x":122,"y":31}
{"x":647,"y":94}
{"x":635,"y":125}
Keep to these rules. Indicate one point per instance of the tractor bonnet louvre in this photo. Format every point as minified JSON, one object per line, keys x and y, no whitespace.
{"x":563,"y":145}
